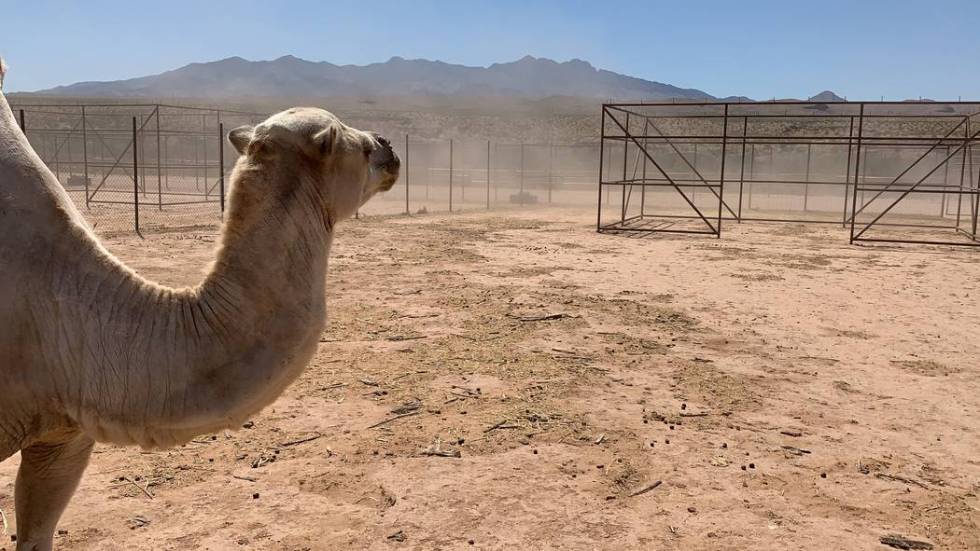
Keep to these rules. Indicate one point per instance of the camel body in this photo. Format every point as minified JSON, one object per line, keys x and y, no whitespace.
{"x":91,"y":352}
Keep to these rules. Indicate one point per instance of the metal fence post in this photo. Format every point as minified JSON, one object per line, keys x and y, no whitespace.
{"x":450,"y":175}
{"x":522,"y":174}
{"x":602,"y":158}
{"x":221,"y":165}
{"x":857,"y":171}
{"x":159,"y":165}
{"x":23,"y":125}
{"x":724,"y":156}
{"x":847,"y":175}
{"x":407,"y":172}
{"x":204,"y":148}
{"x":136,"y":189}
{"x":85,"y":156}
{"x":488,"y":174}
{"x":806,"y":186}
{"x":551,"y":168}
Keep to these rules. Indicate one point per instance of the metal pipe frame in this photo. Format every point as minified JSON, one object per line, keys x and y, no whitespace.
{"x":884,"y":127}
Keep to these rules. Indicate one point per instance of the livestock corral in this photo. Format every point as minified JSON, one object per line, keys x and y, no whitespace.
{"x":509,"y":378}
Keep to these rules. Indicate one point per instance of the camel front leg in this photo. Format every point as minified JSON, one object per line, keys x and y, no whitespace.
{"x":49,"y":473}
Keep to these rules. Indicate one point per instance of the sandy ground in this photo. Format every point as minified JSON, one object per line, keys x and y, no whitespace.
{"x":787,"y":390}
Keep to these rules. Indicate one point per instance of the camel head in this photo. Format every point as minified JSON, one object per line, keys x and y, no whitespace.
{"x":347,"y":165}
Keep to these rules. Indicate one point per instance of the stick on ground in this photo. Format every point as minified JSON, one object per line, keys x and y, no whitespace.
{"x":647,"y":488}
{"x":300,"y":441}
{"x":901,"y":542}
{"x":395,"y":418}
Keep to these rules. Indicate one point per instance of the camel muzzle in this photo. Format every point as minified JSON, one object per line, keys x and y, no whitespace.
{"x":387,"y":160}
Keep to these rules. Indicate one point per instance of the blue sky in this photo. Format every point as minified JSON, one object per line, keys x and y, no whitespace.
{"x":863,"y":49}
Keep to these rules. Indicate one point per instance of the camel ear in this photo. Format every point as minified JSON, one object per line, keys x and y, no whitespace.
{"x":240,"y":138}
{"x":325,"y":140}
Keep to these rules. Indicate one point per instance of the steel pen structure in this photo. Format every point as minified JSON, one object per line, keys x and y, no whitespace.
{"x":899,"y":172}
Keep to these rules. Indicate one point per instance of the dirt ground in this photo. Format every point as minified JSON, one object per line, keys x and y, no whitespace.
{"x":517,"y":381}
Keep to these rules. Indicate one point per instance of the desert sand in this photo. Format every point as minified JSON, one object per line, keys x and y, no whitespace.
{"x":514,"y":380}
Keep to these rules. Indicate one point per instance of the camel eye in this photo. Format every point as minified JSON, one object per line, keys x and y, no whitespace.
{"x":367,"y":150}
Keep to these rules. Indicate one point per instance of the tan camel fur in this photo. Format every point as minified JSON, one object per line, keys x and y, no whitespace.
{"x":91,"y":352}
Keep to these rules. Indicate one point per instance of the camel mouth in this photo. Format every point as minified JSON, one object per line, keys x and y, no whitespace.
{"x":391,"y":168}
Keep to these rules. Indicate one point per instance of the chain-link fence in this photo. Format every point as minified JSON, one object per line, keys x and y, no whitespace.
{"x":156,"y":167}
{"x":136,"y":167}
{"x":457,"y":175}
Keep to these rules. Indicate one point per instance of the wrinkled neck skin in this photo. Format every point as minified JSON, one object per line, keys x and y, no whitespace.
{"x":132,"y":362}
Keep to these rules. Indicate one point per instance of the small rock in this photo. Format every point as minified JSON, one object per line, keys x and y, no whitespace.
{"x":248,"y":424}
{"x":692,"y":510}
{"x":255,"y":495}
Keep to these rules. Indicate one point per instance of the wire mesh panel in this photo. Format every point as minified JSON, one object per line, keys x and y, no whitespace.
{"x":136,"y":167}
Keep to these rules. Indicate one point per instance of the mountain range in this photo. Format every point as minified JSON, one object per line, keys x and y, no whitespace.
{"x":290,"y":76}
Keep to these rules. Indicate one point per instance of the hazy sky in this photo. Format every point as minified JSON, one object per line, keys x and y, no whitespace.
{"x":863,"y":49}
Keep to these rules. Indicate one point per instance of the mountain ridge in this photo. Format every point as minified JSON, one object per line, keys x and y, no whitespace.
{"x":292,"y":76}
{"x":289,"y":76}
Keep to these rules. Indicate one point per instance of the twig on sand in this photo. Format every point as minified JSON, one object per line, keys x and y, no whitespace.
{"x":408,"y":374}
{"x":395,"y":418}
{"x":540,"y":317}
{"x":141,"y":488}
{"x":501,"y":425}
{"x":436,"y":452}
{"x":901,"y":542}
{"x":301,"y":440}
{"x":796,"y":451}
{"x":600,"y":439}
{"x":246,"y":478}
{"x":646,"y":488}
{"x":694,"y":414}
{"x":896,"y":478}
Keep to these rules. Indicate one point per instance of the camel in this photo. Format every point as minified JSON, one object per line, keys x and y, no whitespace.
{"x":92,"y":352}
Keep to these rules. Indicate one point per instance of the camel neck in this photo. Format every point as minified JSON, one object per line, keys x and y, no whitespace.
{"x":205,"y":359}
{"x":274,"y":247}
